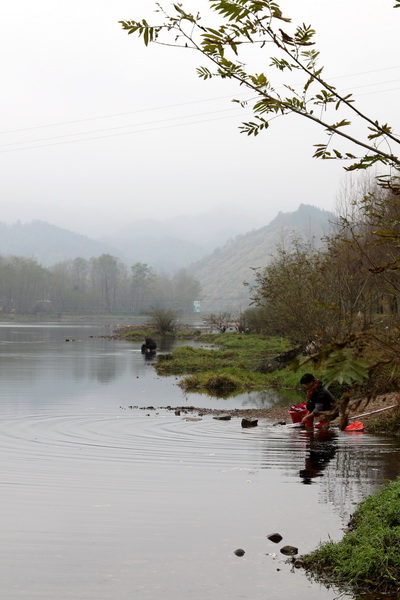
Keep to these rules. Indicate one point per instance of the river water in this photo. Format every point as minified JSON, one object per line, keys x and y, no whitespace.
{"x":101,"y":501}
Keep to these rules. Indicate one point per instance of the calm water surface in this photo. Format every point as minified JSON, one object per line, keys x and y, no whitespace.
{"x":100,"y":501}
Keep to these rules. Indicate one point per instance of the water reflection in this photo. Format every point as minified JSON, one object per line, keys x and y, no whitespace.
{"x":321,"y":449}
{"x":38,"y":362}
{"x":269,"y":398}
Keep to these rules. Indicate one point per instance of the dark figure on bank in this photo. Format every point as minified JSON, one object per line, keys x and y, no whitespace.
{"x":320,"y":402}
{"x":149,"y":346}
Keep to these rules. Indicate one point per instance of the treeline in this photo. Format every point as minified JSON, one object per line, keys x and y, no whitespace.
{"x":350,"y":285}
{"x":98,"y":285}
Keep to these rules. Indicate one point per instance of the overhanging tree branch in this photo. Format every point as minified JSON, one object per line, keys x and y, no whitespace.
{"x":257,"y":23}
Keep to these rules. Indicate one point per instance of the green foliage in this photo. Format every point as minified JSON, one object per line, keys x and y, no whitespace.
{"x":302,"y":294}
{"x":258,"y":24}
{"x":256,"y":320}
{"x":340,"y":365}
{"x":368,"y":557}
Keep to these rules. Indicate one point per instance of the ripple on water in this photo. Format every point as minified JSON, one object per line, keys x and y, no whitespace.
{"x":139,"y":438}
{"x":159,"y":436}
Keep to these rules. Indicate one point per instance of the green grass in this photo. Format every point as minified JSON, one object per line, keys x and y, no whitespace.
{"x":222,"y":351}
{"x":140,"y":332}
{"x":218,"y":385}
{"x":228,"y":364}
{"x":368,"y":557}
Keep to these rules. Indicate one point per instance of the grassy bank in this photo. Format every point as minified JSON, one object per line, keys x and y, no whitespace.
{"x":227,"y":363}
{"x":367,"y":560}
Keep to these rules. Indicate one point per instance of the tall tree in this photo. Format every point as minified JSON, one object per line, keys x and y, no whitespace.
{"x":141,"y":279}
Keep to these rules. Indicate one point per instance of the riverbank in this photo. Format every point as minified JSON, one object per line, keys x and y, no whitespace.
{"x":367,"y":559}
{"x":230,"y":363}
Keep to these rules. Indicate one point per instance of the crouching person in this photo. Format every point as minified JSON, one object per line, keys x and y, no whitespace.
{"x":149,"y":346}
{"x":320,"y":402}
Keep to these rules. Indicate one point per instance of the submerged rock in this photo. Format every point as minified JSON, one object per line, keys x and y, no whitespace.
{"x":289,"y":550}
{"x":252,"y":422}
{"x":223,"y":417}
{"x":275,"y":537}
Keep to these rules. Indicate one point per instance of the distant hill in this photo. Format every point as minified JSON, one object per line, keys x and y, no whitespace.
{"x":162,"y":252}
{"x":222,"y":273}
{"x":47,"y":243}
{"x":173,"y":243}
{"x":167,"y":245}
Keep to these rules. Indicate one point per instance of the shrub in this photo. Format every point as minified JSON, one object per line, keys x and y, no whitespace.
{"x":163,"y":320}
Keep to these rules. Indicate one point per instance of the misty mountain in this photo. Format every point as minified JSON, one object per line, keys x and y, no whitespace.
{"x":174,"y":243}
{"x":179,"y":242}
{"x":222,"y":273}
{"x":47,"y":243}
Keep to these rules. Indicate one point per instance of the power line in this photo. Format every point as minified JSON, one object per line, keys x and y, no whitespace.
{"x":155,"y":108}
{"x":124,"y":114}
{"x":114,"y":135}
{"x":59,"y":137}
{"x":56,"y":137}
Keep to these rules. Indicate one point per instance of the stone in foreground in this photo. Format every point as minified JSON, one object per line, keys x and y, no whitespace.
{"x":289,"y":550}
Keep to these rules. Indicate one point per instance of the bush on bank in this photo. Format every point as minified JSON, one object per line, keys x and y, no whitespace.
{"x":367,"y":559}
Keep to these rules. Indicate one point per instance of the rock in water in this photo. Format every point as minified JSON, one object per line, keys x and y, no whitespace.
{"x":239,"y":552}
{"x":275,"y":537}
{"x":252,"y":422}
{"x":289,"y":550}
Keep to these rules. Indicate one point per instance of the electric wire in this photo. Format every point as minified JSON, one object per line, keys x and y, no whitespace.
{"x":115,"y":134}
{"x":177,"y":105}
{"x":115,"y":128}
{"x":118,"y":127}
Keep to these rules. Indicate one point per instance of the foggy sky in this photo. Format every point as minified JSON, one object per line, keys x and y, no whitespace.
{"x":97,"y":130}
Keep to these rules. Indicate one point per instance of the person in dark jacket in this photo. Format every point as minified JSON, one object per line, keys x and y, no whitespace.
{"x":149,"y":346}
{"x":320,"y":402}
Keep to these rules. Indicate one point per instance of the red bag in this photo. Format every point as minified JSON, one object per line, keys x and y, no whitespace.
{"x":356,"y":426}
